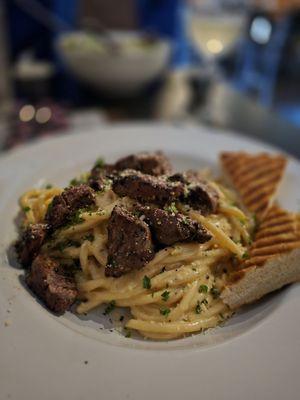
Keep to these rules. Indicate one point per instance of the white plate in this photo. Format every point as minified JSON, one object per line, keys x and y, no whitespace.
{"x":255,"y":356}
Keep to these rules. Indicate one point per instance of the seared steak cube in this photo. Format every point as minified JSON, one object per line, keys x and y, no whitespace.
{"x":147,"y":188}
{"x":31,"y":241}
{"x":203,"y":197}
{"x":129,"y":243}
{"x":149,"y":163}
{"x":50,"y":282}
{"x":66,"y":204}
{"x":199,"y":194}
{"x":172,"y":227}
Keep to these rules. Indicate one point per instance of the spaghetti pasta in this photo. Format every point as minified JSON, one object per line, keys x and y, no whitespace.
{"x":182,"y":294}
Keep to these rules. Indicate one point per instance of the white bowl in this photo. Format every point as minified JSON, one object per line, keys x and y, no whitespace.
{"x":116,"y":72}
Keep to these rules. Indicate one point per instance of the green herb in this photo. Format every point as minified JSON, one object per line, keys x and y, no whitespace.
{"x":215,"y":292}
{"x":110,"y":307}
{"x":165,"y":295}
{"x":128,"y":333}
{"x":121,"y":318}
{"x":111,"y":262}
{"x":26,"y":209}
{"x":171,"y":208}
{"x":165,"y":311}
{"x":204,"y":301}
{"x":137,"y":213}
{"x":185,"y":220}
{"x":186,"y":192}
{"x":146,"y":282}
{"x":203,"y":289}
{"x":100,"y":163}
{"x":79,"y":180}
{"x":67,"y":243}
{"x":198,"y":308}
{"x":90,"y":237}
{"x":50,"y":206}
{"x":245,"y":255}
{"x":49,"y":186}
{"x":74,"y":182}
{"x":76,"y":218}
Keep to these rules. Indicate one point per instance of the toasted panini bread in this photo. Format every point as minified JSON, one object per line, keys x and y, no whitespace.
{"x":273,"y":262}
{"x":256,"y":178}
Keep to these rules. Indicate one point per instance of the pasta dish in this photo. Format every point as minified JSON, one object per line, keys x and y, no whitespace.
{"x":135,"y":234}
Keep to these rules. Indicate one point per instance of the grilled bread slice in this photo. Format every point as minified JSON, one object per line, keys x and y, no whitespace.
{"x":256,"y":178}
{"x":273,"y":262}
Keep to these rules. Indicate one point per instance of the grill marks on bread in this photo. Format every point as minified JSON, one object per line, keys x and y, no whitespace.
{"x":278,"y":233}
{"x":256,"y":178}
{"x":272,"y":263}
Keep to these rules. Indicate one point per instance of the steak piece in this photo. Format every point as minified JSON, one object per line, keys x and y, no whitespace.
{"x":51,"y":283}
{"x":64,"y":206}
{"x":203,"y":197}
{"x":149,"y":163}
{"x":129,"y":243}
{"x":31,"y":241}
{"x":187,"y":177}
{"x":147,"y":188}
{"x":169,"y":227}
{"x":199,"y":194}
{"x":99,"y":176}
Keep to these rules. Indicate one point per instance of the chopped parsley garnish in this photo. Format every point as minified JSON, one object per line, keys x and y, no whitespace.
{"x":165,"y":311}
{"x":74,"y":182}
{"x":203,"y":289}
{"x":110,"y":307}
{"x":215,"y":292}
{"x":137,"y":213}
{"x":26,"y":209}
{"x":204,"y":301}
{"x":186,"y":192}
{"x":100,"y":163}
{"x":171,"y":208}
{"x":90,"y":237}
{"x":65,"y":244}
{"x":49,"y":186}
{"x":79,"y":180}
{"x":111,"y":262}
{"x":146,"y":282}
{"x":185,"y":220}
{"x":198,"y":308}
{"x":128,"y":333}
{"x":245,"y":255}
{"x":165,"y":295}
{"x":76,"y":218}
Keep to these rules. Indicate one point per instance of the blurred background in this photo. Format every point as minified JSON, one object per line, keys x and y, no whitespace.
{"x":69,"y":65}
